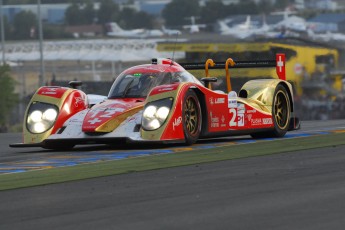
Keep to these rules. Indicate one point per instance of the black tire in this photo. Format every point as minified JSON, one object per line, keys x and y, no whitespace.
{"x":281,"y":111}
{"x":191,"y":117}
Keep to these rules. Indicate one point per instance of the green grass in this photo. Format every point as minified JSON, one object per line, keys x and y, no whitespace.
{"x":85,"y":171}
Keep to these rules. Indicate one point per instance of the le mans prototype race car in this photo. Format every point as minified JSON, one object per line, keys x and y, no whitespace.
{"x":162,"y":102}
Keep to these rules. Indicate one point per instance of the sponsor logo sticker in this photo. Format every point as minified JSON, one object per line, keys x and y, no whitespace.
{"x":267,"y":121}
{"x":165,"y":89}
{"x":177,"y":122}
{"x":79,"y":100}
{"x":214,"y":121}
{"x":232,"y":99}
{"x":211,"y":100}
{"x":232,"y":103}
{"x":51,"y":91}
{"x":220,"y":101}
{"x":241,"y":108}
{"x":256,"y":121}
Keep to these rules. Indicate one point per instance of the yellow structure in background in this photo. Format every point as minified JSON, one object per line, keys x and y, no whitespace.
{"x":302,"y":61}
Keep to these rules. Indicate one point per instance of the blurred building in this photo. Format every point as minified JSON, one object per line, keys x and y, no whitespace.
{"x":325,"y":4}
{"x":323,"y":23}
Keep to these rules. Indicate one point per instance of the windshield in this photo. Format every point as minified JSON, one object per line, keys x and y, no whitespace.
{"x":139,"y":84}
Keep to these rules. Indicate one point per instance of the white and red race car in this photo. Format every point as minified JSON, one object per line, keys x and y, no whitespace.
{"x":162,"y":102}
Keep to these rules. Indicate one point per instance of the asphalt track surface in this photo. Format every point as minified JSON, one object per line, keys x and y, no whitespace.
{"x":297,"y":190}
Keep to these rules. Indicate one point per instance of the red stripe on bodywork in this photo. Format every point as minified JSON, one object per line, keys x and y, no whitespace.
{"x":164,"y":89}
{"x":56,"y":92}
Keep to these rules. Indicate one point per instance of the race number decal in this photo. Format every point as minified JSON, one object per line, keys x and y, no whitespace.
{"x":237,"y":116}
{"x":233,"y":114}
{"x":240,"y":119}
{"x":240,"y":114}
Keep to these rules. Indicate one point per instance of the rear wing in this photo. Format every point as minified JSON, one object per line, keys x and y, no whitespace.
{"x":279,"y":63}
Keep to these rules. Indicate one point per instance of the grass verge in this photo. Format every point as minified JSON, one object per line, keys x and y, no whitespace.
{"x":85,"y":171}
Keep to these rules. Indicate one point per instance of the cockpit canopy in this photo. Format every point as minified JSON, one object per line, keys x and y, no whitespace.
{"x":138,"y":82}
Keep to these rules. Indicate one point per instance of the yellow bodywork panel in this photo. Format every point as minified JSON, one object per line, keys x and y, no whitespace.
{"x":112,"y":124}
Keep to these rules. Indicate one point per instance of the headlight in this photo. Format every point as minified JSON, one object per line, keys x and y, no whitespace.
{"x":49,"y":115}
{"x":41,"y":117}
{"x":150,"y":112}
{"x":155,"y":113}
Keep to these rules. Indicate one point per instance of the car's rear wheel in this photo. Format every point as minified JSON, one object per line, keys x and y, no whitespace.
{"x":281,"y":113}
{"x":191,"y":117}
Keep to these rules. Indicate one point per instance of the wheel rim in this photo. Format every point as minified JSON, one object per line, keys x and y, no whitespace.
{"x":191,"y":116}
{"x":281,"y":110}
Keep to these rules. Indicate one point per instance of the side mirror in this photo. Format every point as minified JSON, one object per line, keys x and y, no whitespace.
{"x":75,"y":84}
{"x":207,"y":80}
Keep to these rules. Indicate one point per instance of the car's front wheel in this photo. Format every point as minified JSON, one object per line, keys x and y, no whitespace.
{"x":191,"y":117}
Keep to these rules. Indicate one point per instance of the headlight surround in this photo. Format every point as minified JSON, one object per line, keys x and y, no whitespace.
{"x":156,"y":113}
{"x":41,"y":117}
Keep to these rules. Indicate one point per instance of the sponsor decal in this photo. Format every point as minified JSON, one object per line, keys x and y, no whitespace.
{"x":51,"y":91}
{"x":211,"y":100}
{"x":232,"y":103}
{"x":241,"y":108}
{"x":165,"y":89}
{"x":56,"y":92}
{"x":132,"y":118}
{"x":214,"y":121}
{"x":223,"y":122}
{"x":220,"y":101}
{"x":177,"y":122}
{"x":267,"y":121}
{"x":232,"y":99}
{"x":79,"y":100}
{"x":256,"y":121}
{"x":251,"y":111}
{"x":249,"y":116}
{"x":75,"y":120}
